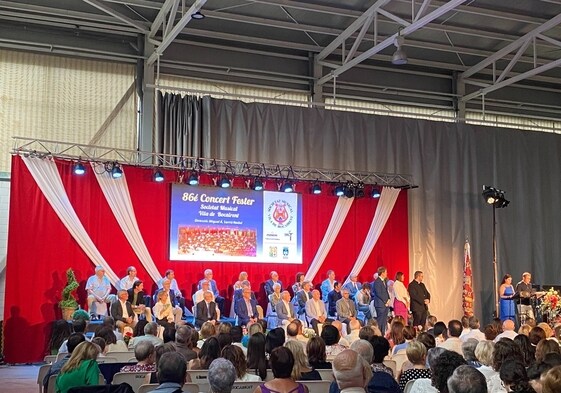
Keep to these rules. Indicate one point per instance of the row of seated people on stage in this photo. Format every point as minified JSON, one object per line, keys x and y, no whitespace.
{"x":342,"y":302}
{"x":499,"y":358}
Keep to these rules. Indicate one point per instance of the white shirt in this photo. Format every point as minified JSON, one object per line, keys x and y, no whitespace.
{"x":199,"y":296}
{"x":507,"y":333}
{"x":473,"y":333}
{"x":173,"y":285}
{"x":452,"y":344}
{"x":287,"y":309}
{"x":125,"y":283}
{"x":124,"y":307}
{"x":400,"y":292}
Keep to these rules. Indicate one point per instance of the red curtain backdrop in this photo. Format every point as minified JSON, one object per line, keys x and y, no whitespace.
{"x":40,"y":248}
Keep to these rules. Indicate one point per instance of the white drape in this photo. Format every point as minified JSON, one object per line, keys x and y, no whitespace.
{"x":337,"y":219}
{"x":388,"y":197}
{"x":118,"y":197}
{"x":45,"y":173}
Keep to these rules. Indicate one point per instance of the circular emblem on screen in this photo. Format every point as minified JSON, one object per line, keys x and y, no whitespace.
{"x":280,"y":213}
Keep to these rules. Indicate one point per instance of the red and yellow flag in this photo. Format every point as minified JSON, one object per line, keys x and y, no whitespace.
{"x":467,"y":292}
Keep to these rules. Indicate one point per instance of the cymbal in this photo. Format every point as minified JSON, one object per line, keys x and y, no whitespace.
{"x":525,"y":294}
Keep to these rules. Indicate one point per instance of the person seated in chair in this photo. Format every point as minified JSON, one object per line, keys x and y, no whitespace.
{"x":214,"y":288}
{"x":302,"y":296}
{"x":246,"y":308}
{"x":285,"y":309}
{"x":333,"y":297}
{"x":199,"y":295}
{"x":98,"y":288}
{"x":172,"y":370}
{"x":315,"y":311}
{"x":346,"y":310}
{"x":137,"y":299}
{"x":171,"y":299}
{"x":128,"y":281}
{"x":206,"y":310}
{"x":275,"y":297}
{"x":272,"y":281}
{"x":175,"y":294}
{"x":122,"y":312}
{"x":163,"y":310}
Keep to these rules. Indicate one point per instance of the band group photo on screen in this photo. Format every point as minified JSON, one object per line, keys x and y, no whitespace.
{"x":216,"y":241}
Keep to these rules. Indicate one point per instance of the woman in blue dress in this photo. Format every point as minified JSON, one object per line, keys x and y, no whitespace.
{"x":506,"y":290}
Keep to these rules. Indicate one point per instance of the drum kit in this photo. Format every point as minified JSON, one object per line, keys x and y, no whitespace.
{"x":535,"y":301}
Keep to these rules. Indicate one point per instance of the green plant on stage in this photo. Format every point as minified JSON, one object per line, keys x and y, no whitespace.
{"x":81,"y":314}
{"x":68,"y":299}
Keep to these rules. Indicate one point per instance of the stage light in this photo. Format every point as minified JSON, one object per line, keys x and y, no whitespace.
{"x":257,"y":184}
{"x":158,"y":176}
{"x":359,"y":190}
{"x":287,"y":187}
{"x":495,"y":197}
{"x":116,"y":171}
{"x":316,"y":189}
{"x":193,"y":179}
{"x":376,"y":192}
{"x":349,"y":190}
{"x":224,"y":182}
{"x":339,"y":190}
{"x":79,"y":168}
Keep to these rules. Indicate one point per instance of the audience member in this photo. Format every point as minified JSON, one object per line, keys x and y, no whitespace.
{"x":274,"y":339}
{"x":484,"y":354}
{"x":172,"y":371}
{"x":113,"y":345}
{"x":528,"y":350}
{"x":301,"y":370}
{"x":184,"y":344}
{"x":381,"y":348}
{"x":209,"y":352}
{"x":466,"y":379}
{"x":453,"y":342}
{"x":100,"y":342}
{"x":474,"y":331}
{"x":351,"y":372}
{"x":551,"y":381}
{"x":282,"y":363}
{"x":78,"y":326}
{"x":444,"y":366}
{"x":224,"y":339}
{"x":61,"y":331}
{"x":544,"y":347}
{"x":416,"y":354}
{"x":409,"y":333}
{"x":235,"y":355}
{"x":490,"y":332}
{"x":439,"y":332}
{"x":524,"y":329}
{"x":150,"y":334}
{"x":536,"y":335}
{"x":468,"y":350}
{"x":508,"y":330}
{"x":514,"y":377}
{"x":505,"y":349}
{"x":207,"y":330}
{"x":331,"y":336}
{"x":73,"y":340}
{"x":364,"y":349}
{"x":427,"y":340}
{"x":145,"y":355}
{"x":354,"y":332}
{"x":168,"y":335}
{"x":339,"y":326}
{"x":81,"y":369}
{"x":256,"y":357}
{"x":424,"y":385}
{"x":316,"y":354}
{"x":221,"y":376}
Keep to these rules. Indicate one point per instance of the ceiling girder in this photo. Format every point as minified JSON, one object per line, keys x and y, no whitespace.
{"x":116,"y":14}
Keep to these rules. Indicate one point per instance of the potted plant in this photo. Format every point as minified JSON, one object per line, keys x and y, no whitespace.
{"x":69,"y":304}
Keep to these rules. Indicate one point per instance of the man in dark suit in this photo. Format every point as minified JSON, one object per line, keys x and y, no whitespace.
{"x":381,"y":299}
{"x":206,"y":310}
{"x":285,"y":309}
{"x":272,"y":281}
{"x":420,"y":299}
{"x":136,"y":298}
{"x":121,"y":311}
{"x":332,"y":299}
{"x":246,"y":308}
{"x":302,"y":297}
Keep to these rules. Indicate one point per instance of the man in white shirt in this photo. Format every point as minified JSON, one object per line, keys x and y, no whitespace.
{"x":453,"y":343}
{"x":98,"y":288}
{"x":122,"y":312}
{"x":214,"y":288}
{"x":128,"y":281}
{"x":315,"y":311}
{"x":355,"y":329}
{"x":199,"y":295}
{"x":474,"y":331}
{"x":285,"y":309}
{"x":508,"y":331}
{"x":351,"y":371}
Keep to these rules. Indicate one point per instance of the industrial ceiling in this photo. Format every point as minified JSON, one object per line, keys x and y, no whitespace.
{"x":504,"y":56}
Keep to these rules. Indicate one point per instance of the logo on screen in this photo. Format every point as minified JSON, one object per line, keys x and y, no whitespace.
{"x":280,"y":213}
{"x":272,"y":252}
{"x":285,"y":252}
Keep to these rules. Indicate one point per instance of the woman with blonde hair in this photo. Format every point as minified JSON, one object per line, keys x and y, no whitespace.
{"x":163,"y":310}
{"x":301,"y":370}
{"x":81,"y":369}
{"x":241,"y":278}
{"x":551,"y":381}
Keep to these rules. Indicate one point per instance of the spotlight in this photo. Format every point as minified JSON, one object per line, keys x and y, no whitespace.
{"x":359,"y":190}
{"x":158,"y":176}
{"x":193,"y":179}
{"x":316,"y":189}
{"x":376,"y":192}
{"x":495,"y":197}
{"x":349,"y":190}
{"x":224,"y":182}
{"x":287,"y":187}
{"x":197,"y":15}
{"x":399,"y":57}
{"x":257,"y":184}
{"x":79,"y":168}
{"x":116,"y":171}
{"x":339,"y":190}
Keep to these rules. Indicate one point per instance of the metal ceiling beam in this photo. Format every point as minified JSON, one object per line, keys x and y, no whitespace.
{"x":159,"y":20}
{"x":350,"y":30}
{"x":512,"y":46}
{"x":116,"y":14}
{"x":168,"y":38}
{"x":514,"y":79}
{"x":389,"y":41}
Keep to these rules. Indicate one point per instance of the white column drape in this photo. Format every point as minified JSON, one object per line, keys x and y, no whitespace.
{"x":337,"y":219}
{"x":46,"y":175}
{"x":118,"y":197}
{"x":385,"y":206}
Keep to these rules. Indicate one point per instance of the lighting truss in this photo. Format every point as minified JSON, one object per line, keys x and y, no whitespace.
{"x":80,"y":152}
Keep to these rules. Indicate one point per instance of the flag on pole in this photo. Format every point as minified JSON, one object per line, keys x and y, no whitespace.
{"x":467,"y":293}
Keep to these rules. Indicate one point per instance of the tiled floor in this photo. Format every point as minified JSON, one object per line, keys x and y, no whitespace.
{"x":20,"y":379}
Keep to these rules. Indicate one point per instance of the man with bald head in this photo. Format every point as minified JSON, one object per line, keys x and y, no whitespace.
{"x":285,"y":309}
{"x":508,"y":330}
{"x":316,"y":312}
{"x":351,"y":371}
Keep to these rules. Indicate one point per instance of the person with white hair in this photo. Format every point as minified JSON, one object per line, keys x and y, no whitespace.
{"x":508,"y":330}
{"x":364,"y":349}
{"x":98,"y":288}
{"x":272,"y":281}
{"x":466,"y":379}
{"x":221,"y":376}
{"x":214,"y":288}
{"x":351,"y":372}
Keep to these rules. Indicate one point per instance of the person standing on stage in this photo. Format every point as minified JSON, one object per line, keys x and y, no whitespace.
{"x":506,"y":290}
{"x":524,"y":288}
{"x":401,"y":301}
{"x":420,"y":299}
{"x":381,"y":299}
